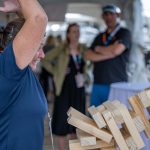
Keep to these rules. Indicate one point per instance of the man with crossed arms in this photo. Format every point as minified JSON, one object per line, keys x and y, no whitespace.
{"x":110,"y":54}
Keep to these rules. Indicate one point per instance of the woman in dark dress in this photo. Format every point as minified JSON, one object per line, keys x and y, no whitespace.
{"x":68,"y":76}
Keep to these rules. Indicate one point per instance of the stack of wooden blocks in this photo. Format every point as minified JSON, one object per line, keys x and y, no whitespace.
{"x":112,"y":125}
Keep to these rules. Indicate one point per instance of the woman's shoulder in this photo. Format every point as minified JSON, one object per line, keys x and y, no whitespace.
{"x":61,"y":46}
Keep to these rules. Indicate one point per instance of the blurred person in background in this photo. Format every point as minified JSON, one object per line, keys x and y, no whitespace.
{"x":50,"y":44}
{"x":45,"y":77}
{"x":68,"y":73}
{"x":58,"y":40}
{"x":110,"y":54}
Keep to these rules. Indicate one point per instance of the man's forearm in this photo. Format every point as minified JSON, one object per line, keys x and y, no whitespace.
{"x":105,"y":50}
{"x":112,"y":50}
{"x":93,"y":56}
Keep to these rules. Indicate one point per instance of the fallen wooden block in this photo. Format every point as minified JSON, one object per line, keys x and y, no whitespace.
{"x":115,"y":130}
{"x":136,"y":119}
{"x":144,"y":96}
{"x":131,"y":126}
{"x":73,"y":112}
{"x":89,"y":128}
{"x":85,"y":138}
{"x":96,"y":115}
{"x":109,"y":148}
{"x":131,"y":144}
{"x":129,"y":140}
{"x":139,"y":110}
{"x":139,"y":123}
{"x":100,"y":108}
{"x":110,"y":106}
{"x":75,"y":145}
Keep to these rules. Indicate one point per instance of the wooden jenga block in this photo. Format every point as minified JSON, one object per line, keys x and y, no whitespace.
{"x":129,"y":140}
{"x":131,"y":126}
{"x":75,"y":113}
{"x":115,"y":130}
{"x":109,"y":148}
{"x":139,"y":110}
{"x":100,"y":108}
{"x":131,"y":144}
{"x":144,"y":96}
{"x":136,"y":119}
{"x":139,"y":124}
{"x":85,"y":138}
{"x":148,"y":92}
{"x":75,"y":145}
{"x":110,"y":106}
{"x":91,"y":129}
{"x":116,"y":102}
{"x":96,"y":115}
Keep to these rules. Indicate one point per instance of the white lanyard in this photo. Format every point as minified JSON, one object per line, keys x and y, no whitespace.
{"x":112,"y":34}
{"x":116,"y":30}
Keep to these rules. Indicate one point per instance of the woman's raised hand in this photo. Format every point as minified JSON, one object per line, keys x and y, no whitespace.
{"x":10,"y":6}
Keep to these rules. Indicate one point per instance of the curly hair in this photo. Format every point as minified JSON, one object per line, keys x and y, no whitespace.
{"x":11,"y":30}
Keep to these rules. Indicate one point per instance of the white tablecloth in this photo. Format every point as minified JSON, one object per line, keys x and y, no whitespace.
{"x":122,"y":91}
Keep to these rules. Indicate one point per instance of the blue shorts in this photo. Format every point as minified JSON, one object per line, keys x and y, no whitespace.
{"x":99,"y":94}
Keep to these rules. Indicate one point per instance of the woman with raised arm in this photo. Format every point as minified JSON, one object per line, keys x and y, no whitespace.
{"x":22,"y":102}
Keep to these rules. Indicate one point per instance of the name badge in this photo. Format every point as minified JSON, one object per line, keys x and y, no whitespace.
{"x":79,"y":80}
